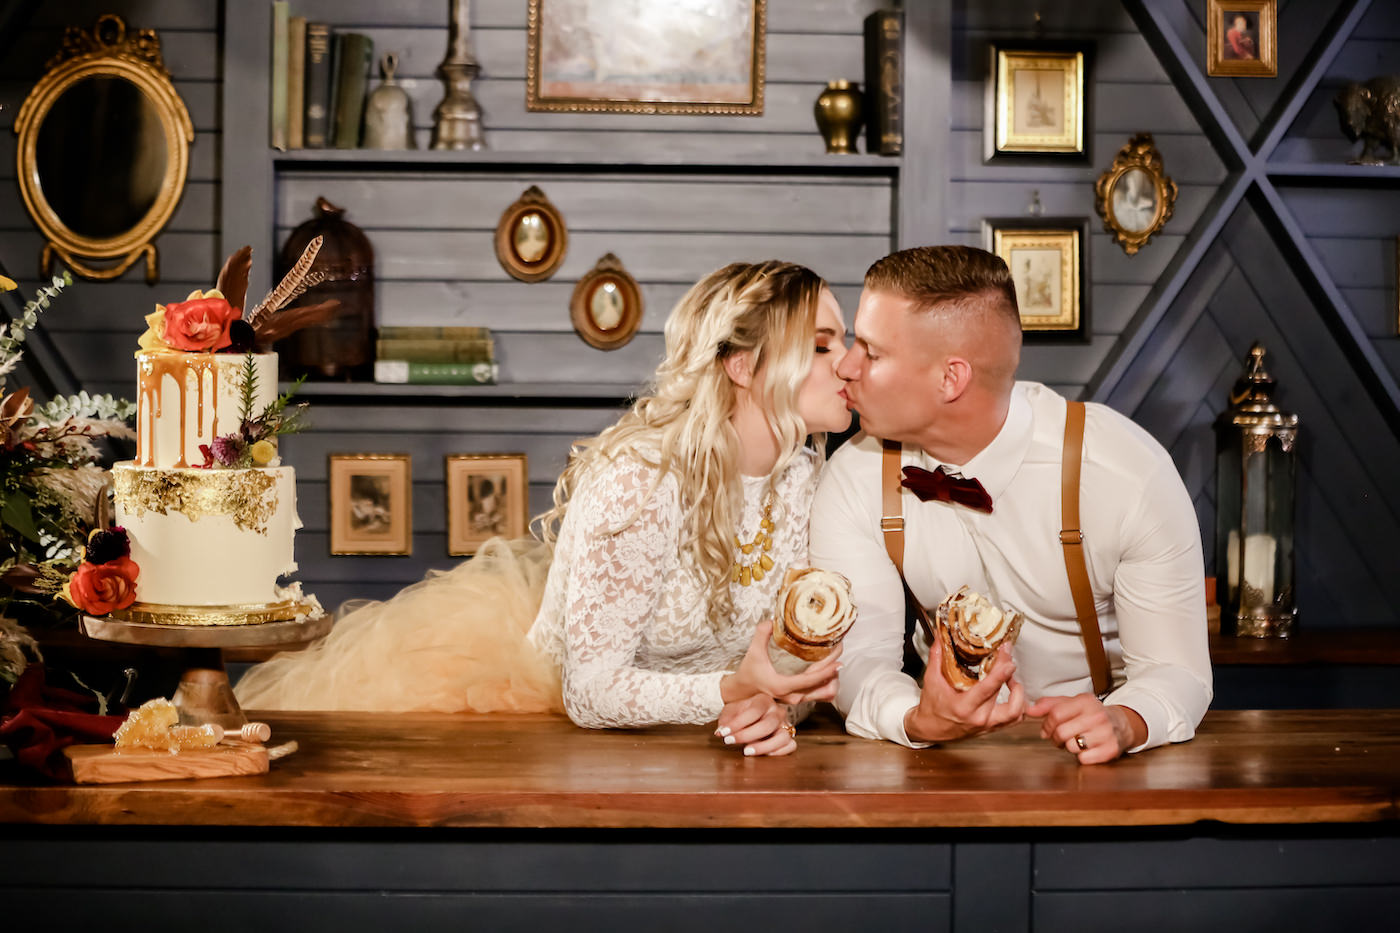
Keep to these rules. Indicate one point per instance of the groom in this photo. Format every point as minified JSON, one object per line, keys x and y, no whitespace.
{"x":937,"y":344}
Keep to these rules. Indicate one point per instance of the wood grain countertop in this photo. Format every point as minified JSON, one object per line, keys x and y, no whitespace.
{"x":366,"y":770}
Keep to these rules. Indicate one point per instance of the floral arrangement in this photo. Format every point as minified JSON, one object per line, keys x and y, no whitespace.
{"x":50,"y":482}
{"x":255,"y":441}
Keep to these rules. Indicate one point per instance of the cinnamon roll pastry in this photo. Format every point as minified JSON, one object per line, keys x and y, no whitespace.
{"x":971,"y":628}
{"x":815,"y":612}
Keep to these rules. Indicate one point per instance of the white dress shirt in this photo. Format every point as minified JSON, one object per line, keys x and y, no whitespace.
{"x":1142,"y":546}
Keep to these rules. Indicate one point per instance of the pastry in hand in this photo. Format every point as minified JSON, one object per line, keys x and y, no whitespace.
{"x":815,"y":610}
{"x":970,"y":629}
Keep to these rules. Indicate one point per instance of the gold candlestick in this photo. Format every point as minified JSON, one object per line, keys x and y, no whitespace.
{"x":457,"y":120}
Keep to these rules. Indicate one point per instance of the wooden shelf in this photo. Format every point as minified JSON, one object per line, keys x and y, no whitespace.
{"x":576,"y":392}
{"x":1334,"y":173}
{"x":1377,"y":646}
{"x":359,"y":160}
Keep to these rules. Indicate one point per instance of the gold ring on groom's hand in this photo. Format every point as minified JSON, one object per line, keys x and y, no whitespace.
{"x":791,"y":729}
{"x":1079,"y":740}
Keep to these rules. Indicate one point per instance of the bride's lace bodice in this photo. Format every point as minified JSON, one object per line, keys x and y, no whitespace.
{"x":623,"y":614}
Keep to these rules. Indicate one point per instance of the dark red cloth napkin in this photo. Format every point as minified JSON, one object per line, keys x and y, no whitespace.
{"x":38,"y":721}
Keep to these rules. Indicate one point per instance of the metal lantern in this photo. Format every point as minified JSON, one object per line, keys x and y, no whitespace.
{"x":1256,"y":470}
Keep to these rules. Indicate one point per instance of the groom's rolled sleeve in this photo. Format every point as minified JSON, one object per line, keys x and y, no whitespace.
{"x":873,"y":693}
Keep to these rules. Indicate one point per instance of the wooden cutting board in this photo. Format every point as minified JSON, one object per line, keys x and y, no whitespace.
{"x":106,"y":764}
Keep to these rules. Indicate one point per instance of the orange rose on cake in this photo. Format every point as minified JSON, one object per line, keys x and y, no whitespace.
{"x":106,"y":579}
{"x":200,"y":324}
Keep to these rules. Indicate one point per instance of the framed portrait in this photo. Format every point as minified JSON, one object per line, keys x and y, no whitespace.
{"x":606,"y":307}
{"x":531,"y":238}
{"x":1135,"y":197}
{"x":1049,"y":264}
{"x":1036,"y":104}
{"x":371,"y":504}
{"x":682,"y":56}
{"x":487,"y":495}
{"x":1242,"y":38}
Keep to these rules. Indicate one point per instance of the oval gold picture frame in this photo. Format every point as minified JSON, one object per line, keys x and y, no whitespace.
{"x":1121,"y":193}
{"x":606,"y":306}
{"x":108,"y":51}
{"x":531,"y":238}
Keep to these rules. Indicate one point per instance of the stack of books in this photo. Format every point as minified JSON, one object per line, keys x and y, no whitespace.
{"x":319,"y":82}
{"x":435,"y":356}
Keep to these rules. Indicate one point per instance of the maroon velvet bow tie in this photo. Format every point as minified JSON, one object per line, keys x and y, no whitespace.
{"x":939,"y":485}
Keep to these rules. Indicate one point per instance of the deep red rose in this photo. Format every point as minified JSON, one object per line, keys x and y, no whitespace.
{"x":200,"y":325}
{"x":97,"y":589}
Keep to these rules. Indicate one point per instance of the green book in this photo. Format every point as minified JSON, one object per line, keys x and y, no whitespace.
{"x":434,"y":333}
{"x":318,"y":85}
{"x":402,"y":371}
{"x":353,"y":56}
{"x":435,"y":351}
{"x":280,"y":54}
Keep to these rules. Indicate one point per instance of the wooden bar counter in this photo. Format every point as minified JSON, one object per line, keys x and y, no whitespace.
{"x":539,"y":771}
{"x":1268,"y":819}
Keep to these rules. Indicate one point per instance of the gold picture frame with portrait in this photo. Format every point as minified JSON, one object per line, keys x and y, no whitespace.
{"x":531,"y":237}
{"x":1048,"y":260}
{"x":606,"y":307}
{"x":1135,"y":197}
{"x":371,"y":503}
{"x":487,"y":495}
{"x":1242,"y":38}
{"x":1036,"y":104}
{"x":683,"y":56}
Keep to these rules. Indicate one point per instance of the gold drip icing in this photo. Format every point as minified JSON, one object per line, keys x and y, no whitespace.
{"x":151,"y":370}
{"x":249,"y":497}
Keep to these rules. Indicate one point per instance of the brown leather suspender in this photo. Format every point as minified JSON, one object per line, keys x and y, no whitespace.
{"x":1071,"y":538}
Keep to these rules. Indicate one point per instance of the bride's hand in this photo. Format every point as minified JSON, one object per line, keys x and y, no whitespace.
{"x":758,"y":725}
{"x":756,"y":675}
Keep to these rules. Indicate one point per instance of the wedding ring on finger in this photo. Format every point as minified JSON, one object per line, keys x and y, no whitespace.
{"x":791,"y":730}
{"x":1079,"y":740}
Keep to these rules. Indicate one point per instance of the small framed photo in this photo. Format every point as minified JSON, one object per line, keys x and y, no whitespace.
{"x":371,"y":507}
{"x":681,"y":56}
{"x":1036,"y":102}
{"x":1242,"y":38}
{"x":487,"y":495}
{"x":1049,"y":265}
{"x":606,"y":306}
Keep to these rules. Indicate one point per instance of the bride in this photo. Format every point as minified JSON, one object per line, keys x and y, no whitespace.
{"x":664,"y":552}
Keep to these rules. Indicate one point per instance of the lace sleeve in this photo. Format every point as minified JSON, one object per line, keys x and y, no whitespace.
{"x":614,"y":595}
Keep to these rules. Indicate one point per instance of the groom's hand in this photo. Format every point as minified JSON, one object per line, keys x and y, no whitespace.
{"x":944,"y":713}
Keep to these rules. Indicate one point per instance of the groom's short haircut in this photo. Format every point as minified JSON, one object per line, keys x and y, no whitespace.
{"x":936,"y":275}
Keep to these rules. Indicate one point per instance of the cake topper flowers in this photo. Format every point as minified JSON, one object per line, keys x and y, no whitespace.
{"x":215,"y":321}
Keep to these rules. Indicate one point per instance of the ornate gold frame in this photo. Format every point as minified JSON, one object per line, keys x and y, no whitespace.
{"x":1139,"y":154}
{"x":1266,"y":65}
{"x":397,"y":538}
{"x":110,"y":51}
{"x":533,"y":201}
{"x":536,"y":100}
{"x":1005,"y":64}
{"x":461,"y":541}
{"x":1064,"y":235}
{"x":609,"y":270}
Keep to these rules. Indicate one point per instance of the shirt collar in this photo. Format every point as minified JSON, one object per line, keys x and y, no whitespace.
{"x":995,"y":465}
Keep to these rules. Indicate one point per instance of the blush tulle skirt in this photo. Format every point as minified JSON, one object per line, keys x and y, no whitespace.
{"x":453,"y":642}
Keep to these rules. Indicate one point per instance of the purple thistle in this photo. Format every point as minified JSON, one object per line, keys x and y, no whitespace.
{"x":228,"y":448}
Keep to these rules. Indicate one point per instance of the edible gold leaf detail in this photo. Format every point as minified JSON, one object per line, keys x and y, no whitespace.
{"x":249,"y":497}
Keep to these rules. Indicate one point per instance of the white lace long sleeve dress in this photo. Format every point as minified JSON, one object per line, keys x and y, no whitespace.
{"x":623,"y":614}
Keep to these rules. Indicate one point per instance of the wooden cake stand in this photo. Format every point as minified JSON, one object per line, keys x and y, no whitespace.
{"x":205,"y":694}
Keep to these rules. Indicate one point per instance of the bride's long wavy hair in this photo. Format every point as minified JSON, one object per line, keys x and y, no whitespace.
{"x":768,"y":309}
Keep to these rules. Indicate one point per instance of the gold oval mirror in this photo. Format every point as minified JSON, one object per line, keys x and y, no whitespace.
{"x":103,"y":151}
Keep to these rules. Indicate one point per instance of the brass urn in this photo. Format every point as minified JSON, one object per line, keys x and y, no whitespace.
{"x":838,"y":112}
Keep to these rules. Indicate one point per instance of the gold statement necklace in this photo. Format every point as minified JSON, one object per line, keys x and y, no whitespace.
{"x":752,"y":561}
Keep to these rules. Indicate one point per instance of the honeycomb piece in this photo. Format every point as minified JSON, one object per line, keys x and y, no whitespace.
{"x":155,"y":724}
